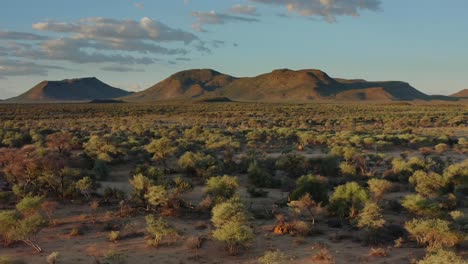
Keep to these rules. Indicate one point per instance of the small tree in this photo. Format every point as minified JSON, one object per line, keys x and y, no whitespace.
{"x":140,"y":185}
{"x":231,"y":221}
{"x":378,"y":188}
{"x":24,"y":223}
{"x":306,"y":203}
{"x":161,"y":149}
{"x":348,"y":199}
{"x":85,"y":186}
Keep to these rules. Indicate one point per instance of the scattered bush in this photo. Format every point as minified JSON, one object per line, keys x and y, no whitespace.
{"x":316,"y":186}
{"x":435,"y":233}
{"x":221,"y":188}
{"x":348,"y":199}
{"x":273,"y":257}
{"x":441,"y":256}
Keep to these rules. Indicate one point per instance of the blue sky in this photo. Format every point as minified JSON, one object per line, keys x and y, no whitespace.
{"x":134,"y":44}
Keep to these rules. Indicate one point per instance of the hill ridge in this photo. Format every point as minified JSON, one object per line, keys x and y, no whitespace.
{"x":76,"y":89}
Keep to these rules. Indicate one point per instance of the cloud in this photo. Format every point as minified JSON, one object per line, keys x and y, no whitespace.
{"x":108,"y":28}
{"x":139,"y":5}
{"x":102,"y":40}
{"x":244,"y":10}
{"x":9,"y":67}
{"x":13,"y":35}
{"x":120,"y":69}
{"x":213,"y":18}
{"x":183,"y":59}
{"x":79,"y":51}
{"x":328,"y":10}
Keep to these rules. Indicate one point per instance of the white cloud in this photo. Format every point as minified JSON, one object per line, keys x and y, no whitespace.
{"x":329,"y":10}
{"x":214,"y":18}
{"x":244,"y":10}
{"x":108,"y":28}
{"x":100,"y":40}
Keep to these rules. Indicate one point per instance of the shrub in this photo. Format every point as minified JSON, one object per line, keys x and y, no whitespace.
{"x":114,"y":236}
{"x":24,"y":223}
{"x":53,"y":258}
{"x":428,"y":184}
{"x":221,"y":188}
{"x":347,"y":169}
{"x":158,"y":229}
{"x":157,"y":196}
{"x":113,"y":257}
{"x":293,"y":165}
{"x":370,"y":217}
{"x":231,"y":210}
{"x":442,"y":256}
{"x":259,"y":177}
{"x":441,"y":148}
{"x":301,"y":228}
{"x":100,"y":170}
{"x":231,"y":221}
{"x":435,"y":233}
{"x":273,"y":257}
{"x":348,"y":199}
{"x":316,"y":186}
{"x":9,"y":260}
{"x":421,"y":206}
{"x":378,"y":188}
{"x":306,"y":203}
{"x":234,"y":234}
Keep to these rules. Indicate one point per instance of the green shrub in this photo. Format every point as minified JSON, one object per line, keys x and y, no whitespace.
{"x":421,"y":206}
{"x":114,"y":236}
{"x":273,"y":257}
{"x":348,"y":199}
{"x":231,"y":221}
{"x":370,"y":217}
{"x":293,"y":165}
{"x":435,"y":233}
{"x":221,"y":188}
{"x":378,"y":188}
{"x":259,"y":176}
{"x":347,"y":169}
{"x":53,"y":258}
{"x":316,"y":186}
{"x":442,"y":256}
{"x":158,"y":229}
{"x":428,"y":184}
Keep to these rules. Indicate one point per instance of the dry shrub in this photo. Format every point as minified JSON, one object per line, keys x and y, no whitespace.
{"x":324,"y":255}
{"x":300,"y":228}
{"x":377,"y":252}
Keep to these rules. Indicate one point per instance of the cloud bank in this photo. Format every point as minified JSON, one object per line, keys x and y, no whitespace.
{"x":328,"y":10}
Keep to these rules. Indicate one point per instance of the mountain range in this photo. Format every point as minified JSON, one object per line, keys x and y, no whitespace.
{"x":283,"y":85}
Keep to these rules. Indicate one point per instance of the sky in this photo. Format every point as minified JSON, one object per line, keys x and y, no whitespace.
{"x":133,"y":44}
